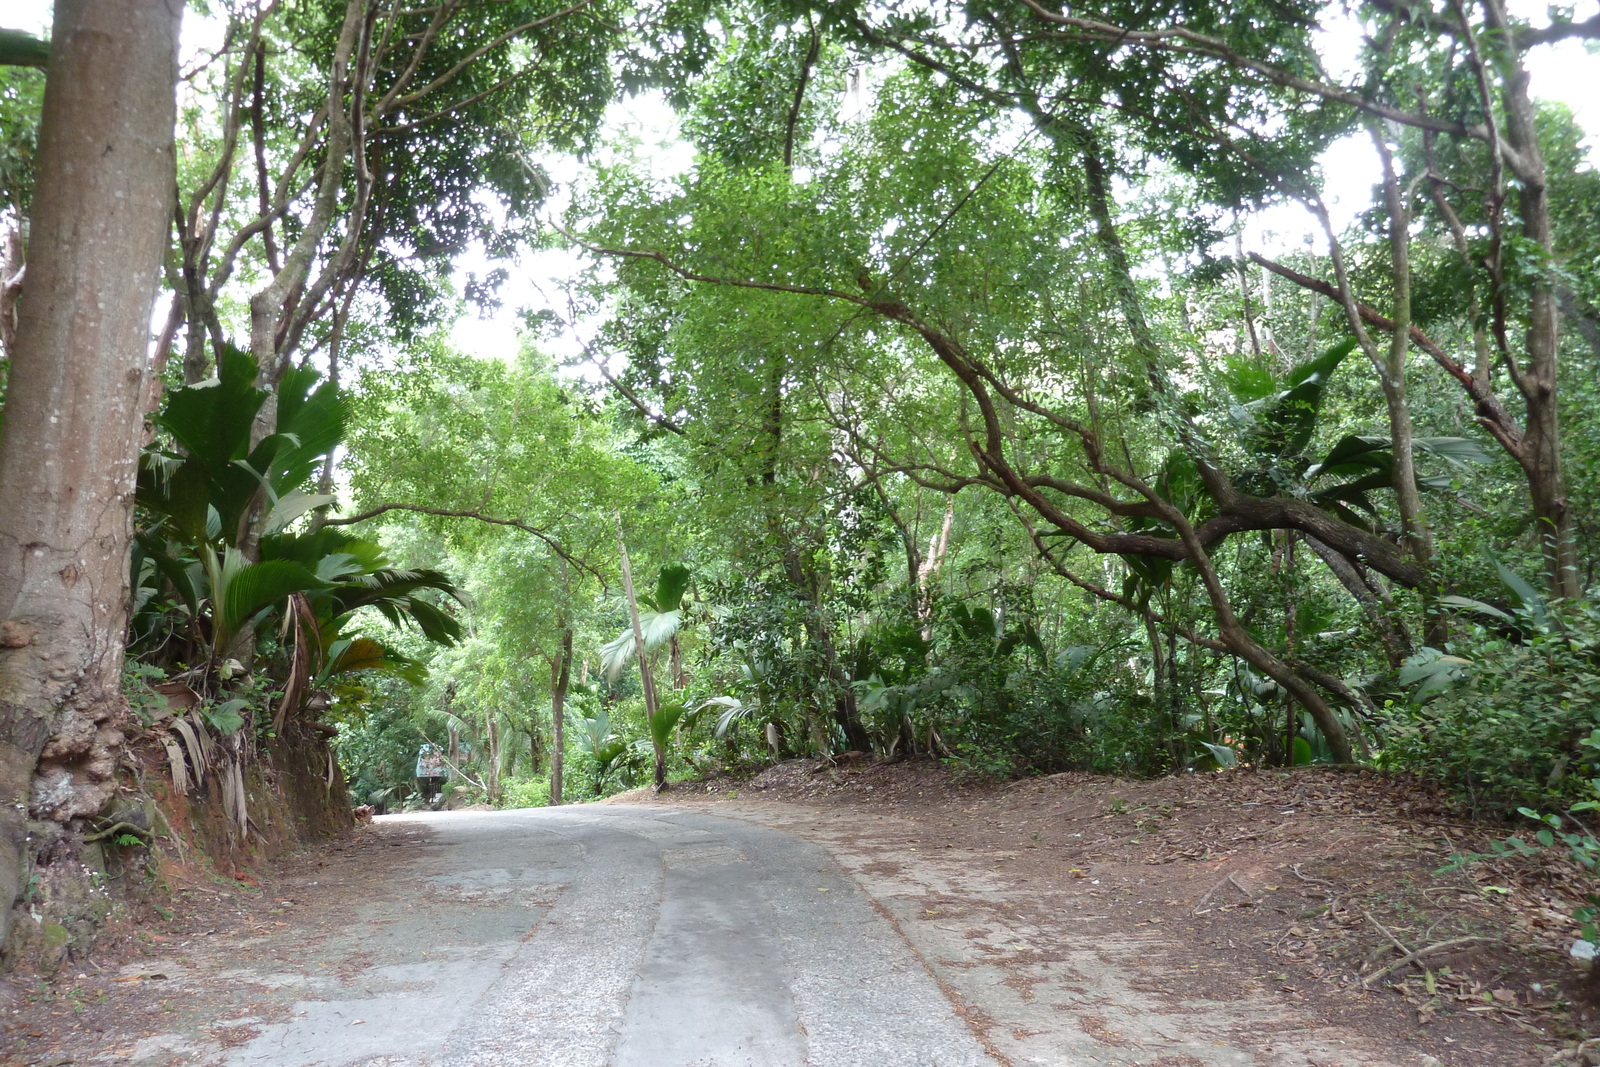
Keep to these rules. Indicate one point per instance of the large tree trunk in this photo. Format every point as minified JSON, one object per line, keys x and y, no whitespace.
{"x":73,"y":416}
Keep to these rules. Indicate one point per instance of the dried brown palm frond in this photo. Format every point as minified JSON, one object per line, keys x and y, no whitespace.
{"x":301,"y":634}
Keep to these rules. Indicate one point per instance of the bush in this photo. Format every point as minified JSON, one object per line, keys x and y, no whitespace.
{"x":1507,"y":730}
{"x":525,"y":793}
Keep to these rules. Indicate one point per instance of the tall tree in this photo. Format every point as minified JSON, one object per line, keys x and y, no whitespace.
{"x":73,"y":414}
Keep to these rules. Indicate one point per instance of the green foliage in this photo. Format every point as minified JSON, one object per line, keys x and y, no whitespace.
{"x":378,"y":751}
{"x":525,"y":793}
{"x":1511,"y":724}
{"x":202,"y":484}
{"x":664,"y":722}
{"x":21,"y":99}
{"x":198,"y":587}
{"x":1570,"y":834}
{"x":1283,"y":421}
{"x":225,"y":717}
{"x":795,"y":440}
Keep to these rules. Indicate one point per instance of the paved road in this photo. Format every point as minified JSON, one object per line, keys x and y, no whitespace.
{"x":614,"y":937}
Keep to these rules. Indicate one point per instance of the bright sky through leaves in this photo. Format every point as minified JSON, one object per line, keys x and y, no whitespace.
{"x":1565,"y":72}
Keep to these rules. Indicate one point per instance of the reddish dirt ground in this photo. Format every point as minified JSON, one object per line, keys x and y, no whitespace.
{"x":1297,"y":889}
{"x":1261,"y":909}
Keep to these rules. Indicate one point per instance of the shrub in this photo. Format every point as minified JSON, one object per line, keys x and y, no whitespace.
{"x":525,"y":793}
{"x":1508,"y":727}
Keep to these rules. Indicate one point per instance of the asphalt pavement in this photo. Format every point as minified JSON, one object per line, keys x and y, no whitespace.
{"x":611,"y":936}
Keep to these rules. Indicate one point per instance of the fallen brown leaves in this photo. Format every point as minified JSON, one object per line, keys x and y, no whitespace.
{"x":1327,"y":886}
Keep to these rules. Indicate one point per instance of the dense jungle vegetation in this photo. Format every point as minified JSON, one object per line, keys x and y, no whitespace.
{"x":947,"y":403}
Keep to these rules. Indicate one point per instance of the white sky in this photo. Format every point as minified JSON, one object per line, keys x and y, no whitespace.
{"x":1564,"y":72}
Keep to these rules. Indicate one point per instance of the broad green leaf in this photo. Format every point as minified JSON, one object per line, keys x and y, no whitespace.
{"x":1478,"y":607}
{"x":658,"y":627}
{"x":616,"y":653}
{"x":310,"y":425}
{"x":1248,"y":378}
{"x":351,"y":655}
{"x":1459,"y":452}
{"x":180,"y":572}
{"x":1435,"y":670}
{"x":225,"y":718}
{"x":671,"y":584}
{"x":664,"y":722}
{"x":436,"y":626}
{"x":211,"y":420}
{"x":1285,"y":423}
{"x":249,"y":587}
{"x":1532,"y":602}
{"x":291,"y":506}
{"x":733,"y":709}
{"x":1354,"y":454}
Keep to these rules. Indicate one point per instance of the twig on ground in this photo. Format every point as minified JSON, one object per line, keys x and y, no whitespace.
{"x":1405,"y":950}
{"x":1295,"y":870}
{"x":1421,"y":953}
{"x":1233,"y":880}
{"x":1573,"y":1056}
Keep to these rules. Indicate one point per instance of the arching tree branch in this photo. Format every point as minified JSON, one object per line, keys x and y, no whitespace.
{"x":494,"y":520}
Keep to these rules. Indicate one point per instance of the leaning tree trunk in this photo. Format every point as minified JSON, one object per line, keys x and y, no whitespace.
{"x":74,"y":412}
{"x":646,"y":679}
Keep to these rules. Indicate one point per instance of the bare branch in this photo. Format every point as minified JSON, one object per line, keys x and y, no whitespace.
{"x":1560,"y":30}
{"x":800,"y":92}
{"x":494,"y":520}
{"x":1492,"y":414}
{"x":1188,"y":42}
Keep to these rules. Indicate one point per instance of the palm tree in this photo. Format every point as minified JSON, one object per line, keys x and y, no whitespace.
{"x":661,"y":618}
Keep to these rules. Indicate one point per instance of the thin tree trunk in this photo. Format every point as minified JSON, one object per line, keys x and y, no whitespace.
{"x":675,"y":662}
{"x":1537,"y":382}
{"x":1236,"y":637}
{"x":820,"y":637}
{"x":646,"y":681}
{"x":938,"y":545}
{"x":492,"y":778}
{"x":13,"y":265}
{"x":558,"y":716}
{"x":73,"y":416}
{"x":1408,"y":497}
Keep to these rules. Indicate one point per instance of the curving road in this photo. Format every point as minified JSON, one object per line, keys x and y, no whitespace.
{"x":609,"y":937}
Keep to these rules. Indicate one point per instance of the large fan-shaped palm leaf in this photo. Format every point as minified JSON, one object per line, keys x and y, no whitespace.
{"x":660,"y":619}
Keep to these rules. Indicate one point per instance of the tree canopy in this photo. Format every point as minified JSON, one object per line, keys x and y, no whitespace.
{"x":949,"y":402}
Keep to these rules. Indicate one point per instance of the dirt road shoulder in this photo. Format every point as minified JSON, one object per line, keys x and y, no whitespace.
{"x":1189,"y":922}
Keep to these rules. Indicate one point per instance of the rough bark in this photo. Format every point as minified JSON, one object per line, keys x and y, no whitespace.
{"x":74,"y":411}
{"x":13,"y":266}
